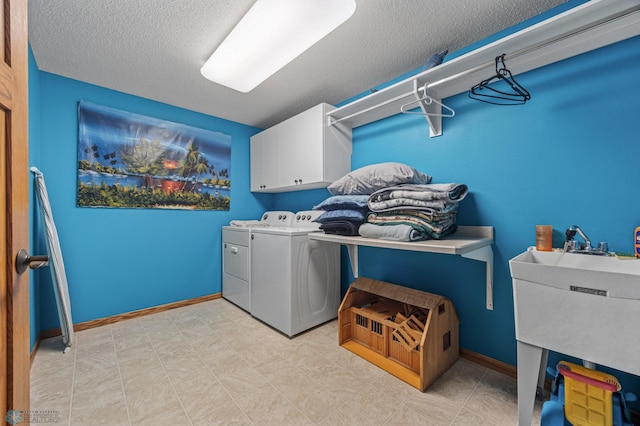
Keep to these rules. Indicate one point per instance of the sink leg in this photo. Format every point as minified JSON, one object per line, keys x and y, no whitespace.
{"x":542,"y":374}
{"x":529,"y":372}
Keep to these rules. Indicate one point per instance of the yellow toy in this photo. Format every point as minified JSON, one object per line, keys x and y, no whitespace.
{"x":588,"y":395}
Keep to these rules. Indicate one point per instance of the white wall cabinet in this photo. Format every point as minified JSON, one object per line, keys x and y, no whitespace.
{"x":303,"y":152}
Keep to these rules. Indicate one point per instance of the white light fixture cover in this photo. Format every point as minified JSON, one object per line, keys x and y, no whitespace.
{"x":271,"y":35}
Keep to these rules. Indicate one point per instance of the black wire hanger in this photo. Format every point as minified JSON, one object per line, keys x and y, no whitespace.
{"x":517,"y":95}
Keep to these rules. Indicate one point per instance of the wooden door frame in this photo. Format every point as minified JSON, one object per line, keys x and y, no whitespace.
{"x":14,"y":104}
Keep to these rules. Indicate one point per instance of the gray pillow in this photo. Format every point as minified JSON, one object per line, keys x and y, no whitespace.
{"x":368,"y":179}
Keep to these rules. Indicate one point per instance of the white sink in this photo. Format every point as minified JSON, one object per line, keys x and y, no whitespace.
{"x":603,"y":275}
{"x":580,"y":305}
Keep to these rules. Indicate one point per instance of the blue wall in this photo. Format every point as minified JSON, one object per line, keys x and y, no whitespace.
{"x":120,"y":260}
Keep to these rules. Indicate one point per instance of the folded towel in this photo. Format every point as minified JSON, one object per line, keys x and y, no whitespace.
{"x":344,"y":214}
{"x":341,"y":202}
{"x":341,"y":227}
{"x":432,"y":216}
{"x":429,"y":197}
{"x":429,"y":229}
{"x":247,"y":223}
{"x":390,"y":232}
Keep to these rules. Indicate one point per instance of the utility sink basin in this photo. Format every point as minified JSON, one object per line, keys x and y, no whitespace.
{"x":579,"y":305}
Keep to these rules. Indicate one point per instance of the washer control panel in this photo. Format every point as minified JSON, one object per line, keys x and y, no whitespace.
{"x":277,"y":218}
{"x":306,"y":218}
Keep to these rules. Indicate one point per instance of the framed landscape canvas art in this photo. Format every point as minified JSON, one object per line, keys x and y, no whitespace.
{"x":127,"y":160}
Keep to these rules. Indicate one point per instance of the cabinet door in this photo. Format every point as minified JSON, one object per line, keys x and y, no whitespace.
{"x":256,"y":156}
{"x":265,"y":160}
{"x":302,"y":147}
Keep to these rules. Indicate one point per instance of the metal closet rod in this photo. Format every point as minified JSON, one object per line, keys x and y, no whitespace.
{"x":492,"y":62}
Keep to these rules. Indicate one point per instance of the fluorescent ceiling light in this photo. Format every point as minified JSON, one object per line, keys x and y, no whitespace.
{"x":271,"y":35}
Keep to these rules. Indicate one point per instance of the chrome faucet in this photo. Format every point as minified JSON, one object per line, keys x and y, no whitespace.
{"x":585,"y":247}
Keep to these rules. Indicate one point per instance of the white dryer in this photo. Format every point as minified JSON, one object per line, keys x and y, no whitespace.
{"x":236,"y":255}
{"x":295,"y":281}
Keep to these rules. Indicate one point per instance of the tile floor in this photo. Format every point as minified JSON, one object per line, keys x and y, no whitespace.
{"x":212,"y":363}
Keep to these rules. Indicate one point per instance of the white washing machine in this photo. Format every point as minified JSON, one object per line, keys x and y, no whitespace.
{"x":295,"y":281}
{"x":236,"y":255}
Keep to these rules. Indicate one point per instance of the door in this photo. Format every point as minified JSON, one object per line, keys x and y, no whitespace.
{"x":14,"y":207}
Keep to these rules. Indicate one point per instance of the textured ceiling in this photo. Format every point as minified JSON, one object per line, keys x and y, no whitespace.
{"x":155,"y":48}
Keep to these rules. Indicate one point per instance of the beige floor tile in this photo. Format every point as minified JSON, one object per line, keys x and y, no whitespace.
{"x":50,"y":354}
{"x":408,"y":415}
{"x":209,"y":346}
{"x":440,"y":412}
{"x":95,"y":362}
{"x":273,"y":366}
{"x":449,"y":389}
{"x":51,"y":401}
{"x":202,"y":396}
{"x":198,"y":331}
{"x":361,"y":368}
{"x":493,"y":408}
{"x":395,"y":387}
{"x":186,"y":368}
{"x":374,"y":404}
{"x":173,"y":348}
{"x":93,"y":335}
{"x":318,"y":367}
{"x":284,"y":415}
{"x":258,"y":405}
{"x":346,"y":416}
{"x":152,"y":401}
{"x":224,"y":362}
{"x":317,"y":403}
{"x":466,"y":370}
{"x":108,"y":413}
{"x":243,"y":382}
{"x":51,"y":389}
{"x":228,"y":414}
{"x":293,"y":382}
{"x":168,"y":415}
{"x":343,"y":383}
{"x":129,"y":339}
{"x":105,"y":392}
{"x":101,"y":386}
{"x":139,"y":353}
{"x":139,"y":379}
{"x":499,"y":385}
{"x":470,"y":418}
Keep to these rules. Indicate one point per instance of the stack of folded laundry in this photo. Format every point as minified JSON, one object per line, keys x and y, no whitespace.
{"x":343,"y":214}
{"x":391,"y":201}
{"x":410,"y":212}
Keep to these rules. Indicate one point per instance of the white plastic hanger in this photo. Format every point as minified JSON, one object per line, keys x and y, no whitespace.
{"x":424,"y":101}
